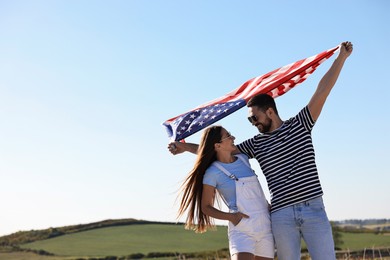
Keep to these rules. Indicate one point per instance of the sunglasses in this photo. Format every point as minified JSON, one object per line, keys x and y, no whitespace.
{"x":229,"y":135}
{"x":252,"y":119}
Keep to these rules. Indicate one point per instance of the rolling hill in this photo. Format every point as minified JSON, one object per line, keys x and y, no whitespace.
{"x":135,"y":239}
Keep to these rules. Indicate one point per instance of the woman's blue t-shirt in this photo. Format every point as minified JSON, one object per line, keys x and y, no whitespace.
{"x":225,"y":185}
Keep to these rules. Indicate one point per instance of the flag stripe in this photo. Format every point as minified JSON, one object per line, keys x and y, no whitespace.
{"x":274,"y":83}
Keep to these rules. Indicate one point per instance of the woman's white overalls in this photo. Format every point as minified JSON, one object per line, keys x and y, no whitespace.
{"x":253,"y":234}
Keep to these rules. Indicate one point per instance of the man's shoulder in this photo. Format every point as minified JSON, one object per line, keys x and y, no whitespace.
{"x":304,"y":111}
{"x":302,"y":119}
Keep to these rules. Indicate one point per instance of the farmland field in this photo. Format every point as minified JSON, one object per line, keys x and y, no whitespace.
{"x":148,"y":238}
{"x":357,"y":241}
{"x":126,"y":240}
{"x":29,"y":256}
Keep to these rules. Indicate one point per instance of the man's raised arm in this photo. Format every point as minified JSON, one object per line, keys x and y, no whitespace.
{"x":328,"y":81}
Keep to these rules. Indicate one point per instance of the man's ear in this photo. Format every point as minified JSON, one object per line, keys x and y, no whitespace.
{"x":217,"y":146}
{"x":270,"y":112}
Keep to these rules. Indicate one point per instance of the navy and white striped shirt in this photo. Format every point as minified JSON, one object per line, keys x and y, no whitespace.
{"x":286,"y":157}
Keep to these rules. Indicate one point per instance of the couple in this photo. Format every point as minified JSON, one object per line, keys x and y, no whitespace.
{"x":285,"y":152}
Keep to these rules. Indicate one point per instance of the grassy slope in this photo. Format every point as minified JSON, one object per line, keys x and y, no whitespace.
{"x":29,"y":256}
{"x":359,"y":241}
{"x":126,"y":240}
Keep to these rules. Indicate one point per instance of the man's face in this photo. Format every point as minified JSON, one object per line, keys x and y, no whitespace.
{"x":259,"y":119}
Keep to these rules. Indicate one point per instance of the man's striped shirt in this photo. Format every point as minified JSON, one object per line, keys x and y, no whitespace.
{"x":286,"y":157}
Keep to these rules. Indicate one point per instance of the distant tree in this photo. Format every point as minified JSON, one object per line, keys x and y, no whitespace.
{"x":337,"y":236}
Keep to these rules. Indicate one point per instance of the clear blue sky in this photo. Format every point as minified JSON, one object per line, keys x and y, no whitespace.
{"x":85,"y":86}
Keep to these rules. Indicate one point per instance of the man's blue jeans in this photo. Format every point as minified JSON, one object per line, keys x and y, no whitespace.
{"x":309,"y":221}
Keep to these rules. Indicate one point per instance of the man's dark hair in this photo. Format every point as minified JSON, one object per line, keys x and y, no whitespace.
{"x":263,"y":102}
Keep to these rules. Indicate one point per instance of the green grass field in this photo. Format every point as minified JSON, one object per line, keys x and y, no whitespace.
{"x":126,"y":240}
{"x":131,"y":239}
{"x":358,"y":241}
{"x":30,"y":256}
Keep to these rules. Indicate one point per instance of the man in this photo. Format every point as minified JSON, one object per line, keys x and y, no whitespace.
{"x":285,"y":152}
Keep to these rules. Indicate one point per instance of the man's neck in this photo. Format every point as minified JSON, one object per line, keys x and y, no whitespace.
{"x":276,"y":123}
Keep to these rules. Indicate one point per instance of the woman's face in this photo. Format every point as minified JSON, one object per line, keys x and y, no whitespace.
{"x":227,"y":140}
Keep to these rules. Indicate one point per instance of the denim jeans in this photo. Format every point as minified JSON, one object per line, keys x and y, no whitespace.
{"x":307,"y":220}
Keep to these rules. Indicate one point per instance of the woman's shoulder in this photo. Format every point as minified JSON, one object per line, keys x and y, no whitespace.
{"x":212,"y":169}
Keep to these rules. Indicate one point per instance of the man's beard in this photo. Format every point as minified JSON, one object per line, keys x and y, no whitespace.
{"x":265,"y":126}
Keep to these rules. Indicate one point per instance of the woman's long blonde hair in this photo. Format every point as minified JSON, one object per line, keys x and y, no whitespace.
{"x":192,"y":187}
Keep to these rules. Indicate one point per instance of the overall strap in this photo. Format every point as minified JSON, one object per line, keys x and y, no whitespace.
{"x":231,"y":175}
{"x":246,"y":162}
{"x":225,"y":171}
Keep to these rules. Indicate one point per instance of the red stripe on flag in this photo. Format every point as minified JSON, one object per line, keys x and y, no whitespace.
{"x":274,"y":83}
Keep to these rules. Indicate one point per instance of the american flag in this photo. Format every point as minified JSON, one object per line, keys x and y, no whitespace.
{"x":274,"y":83}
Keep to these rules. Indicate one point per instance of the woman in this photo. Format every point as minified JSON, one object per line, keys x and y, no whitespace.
{"x":218,"y":169}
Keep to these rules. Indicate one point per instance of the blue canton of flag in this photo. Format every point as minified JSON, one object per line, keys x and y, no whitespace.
{"x":193,"y":121}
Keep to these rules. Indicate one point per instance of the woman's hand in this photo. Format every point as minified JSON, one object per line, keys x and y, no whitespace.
{"x":237,"y":217}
